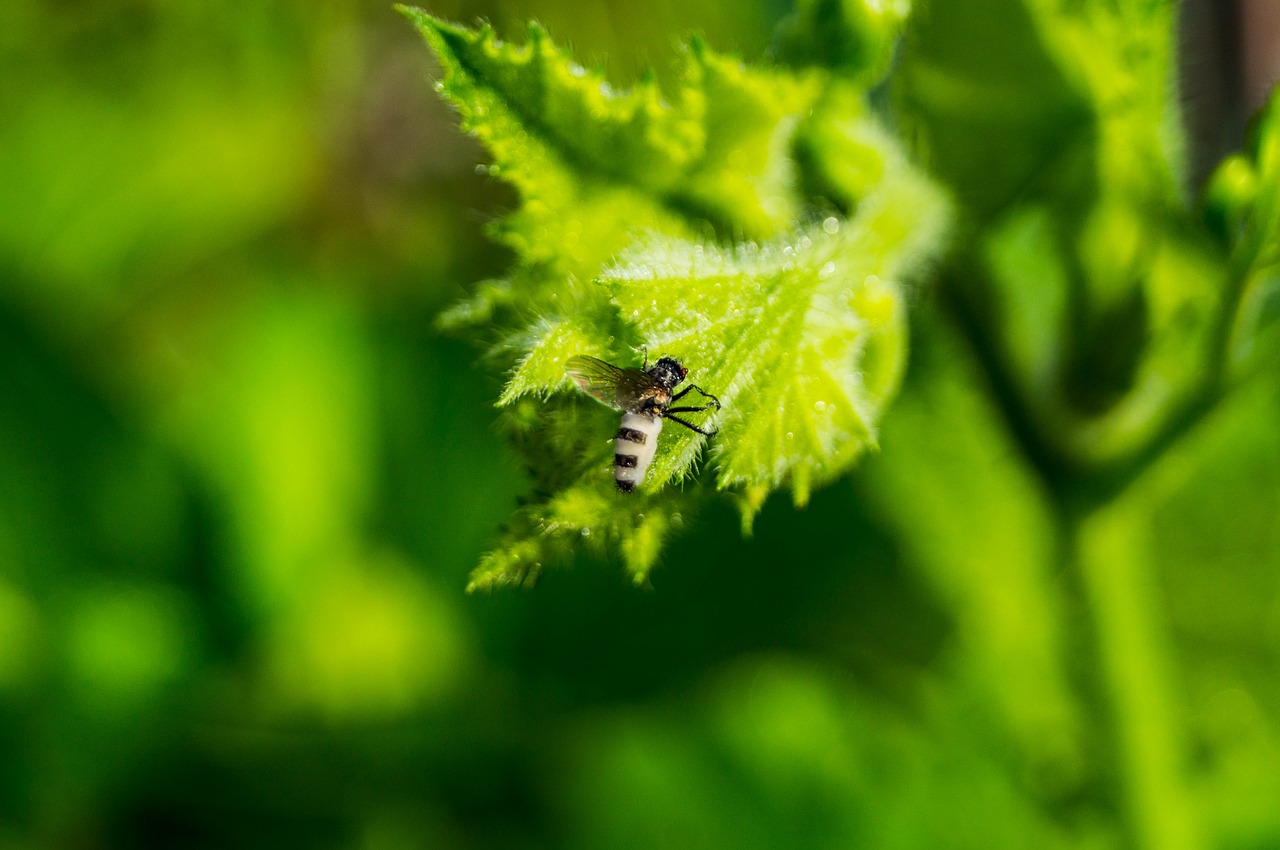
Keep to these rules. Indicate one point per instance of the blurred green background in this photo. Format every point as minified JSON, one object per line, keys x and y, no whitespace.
{"x":242,"y":482}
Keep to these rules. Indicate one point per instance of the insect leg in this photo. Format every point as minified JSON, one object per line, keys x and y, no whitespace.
{"x":671,"y":410}
{"x":690,"y":426}
{"x":704,"y":393}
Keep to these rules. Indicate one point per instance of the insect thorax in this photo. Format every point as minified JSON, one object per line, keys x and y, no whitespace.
{"x":668,"y":372}
{"x":652,"y":401}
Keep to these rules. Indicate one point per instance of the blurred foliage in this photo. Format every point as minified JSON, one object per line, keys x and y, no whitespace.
{"x":244,"y":480}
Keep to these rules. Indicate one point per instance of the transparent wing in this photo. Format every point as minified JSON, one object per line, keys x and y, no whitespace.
{"x":618,"y":388}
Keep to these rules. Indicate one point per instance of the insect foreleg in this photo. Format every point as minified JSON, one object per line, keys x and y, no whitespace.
{"x":688,"y":425}
{"x":704,"y":393}
{"x":671,"y":410}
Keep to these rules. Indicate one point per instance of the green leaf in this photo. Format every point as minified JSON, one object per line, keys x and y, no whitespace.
{"x":802,"y":340}
{"x":589,"y":514}
{"x":545,"y":344}
{"x":590,"y":160}
{"x":756,"y":224}
{"x":854,"y":38}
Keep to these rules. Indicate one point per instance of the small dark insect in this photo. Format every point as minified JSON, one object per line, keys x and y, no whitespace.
{"x":644,"y":396}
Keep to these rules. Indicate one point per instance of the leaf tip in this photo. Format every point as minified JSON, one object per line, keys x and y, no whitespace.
{"x":537,"y":32}
{"x":750,"y":502}
{"x":420,"y":18}
{"x":445,"y":38}
{"x":410,"y":12}
{"x":509,"y":394}
{"x":515,"y":566}
{"x":801,"y":485}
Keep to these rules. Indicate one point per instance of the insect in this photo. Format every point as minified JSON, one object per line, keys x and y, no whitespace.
{"x":644,"y":396}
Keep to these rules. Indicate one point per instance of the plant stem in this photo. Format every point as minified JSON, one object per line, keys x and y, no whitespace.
{"x":1135,"y":671}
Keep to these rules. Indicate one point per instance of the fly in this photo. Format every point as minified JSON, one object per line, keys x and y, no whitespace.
{"x":644,"y":396}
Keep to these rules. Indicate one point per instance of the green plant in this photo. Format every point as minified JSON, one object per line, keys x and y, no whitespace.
{"x":1085,"y":334}
{"x":758,"y":224}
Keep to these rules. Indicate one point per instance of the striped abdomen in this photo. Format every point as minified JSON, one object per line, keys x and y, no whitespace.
{"x":633,"y":449}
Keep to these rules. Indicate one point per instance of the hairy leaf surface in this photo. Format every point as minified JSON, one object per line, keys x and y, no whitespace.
{"x":757,"y":224}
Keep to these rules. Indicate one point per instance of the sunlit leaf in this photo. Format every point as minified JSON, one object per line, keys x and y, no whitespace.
{"x":705,"y":224}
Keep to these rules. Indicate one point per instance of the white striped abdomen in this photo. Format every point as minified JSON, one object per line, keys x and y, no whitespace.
{"x":634,"y":447}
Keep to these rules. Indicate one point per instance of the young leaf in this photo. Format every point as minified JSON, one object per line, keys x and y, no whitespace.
{"x":590,"y":161}
{"x":700,"y":226}
{"x":1242,"y":205}
{"x":854,"y":38}
{"x":802,"y":340}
